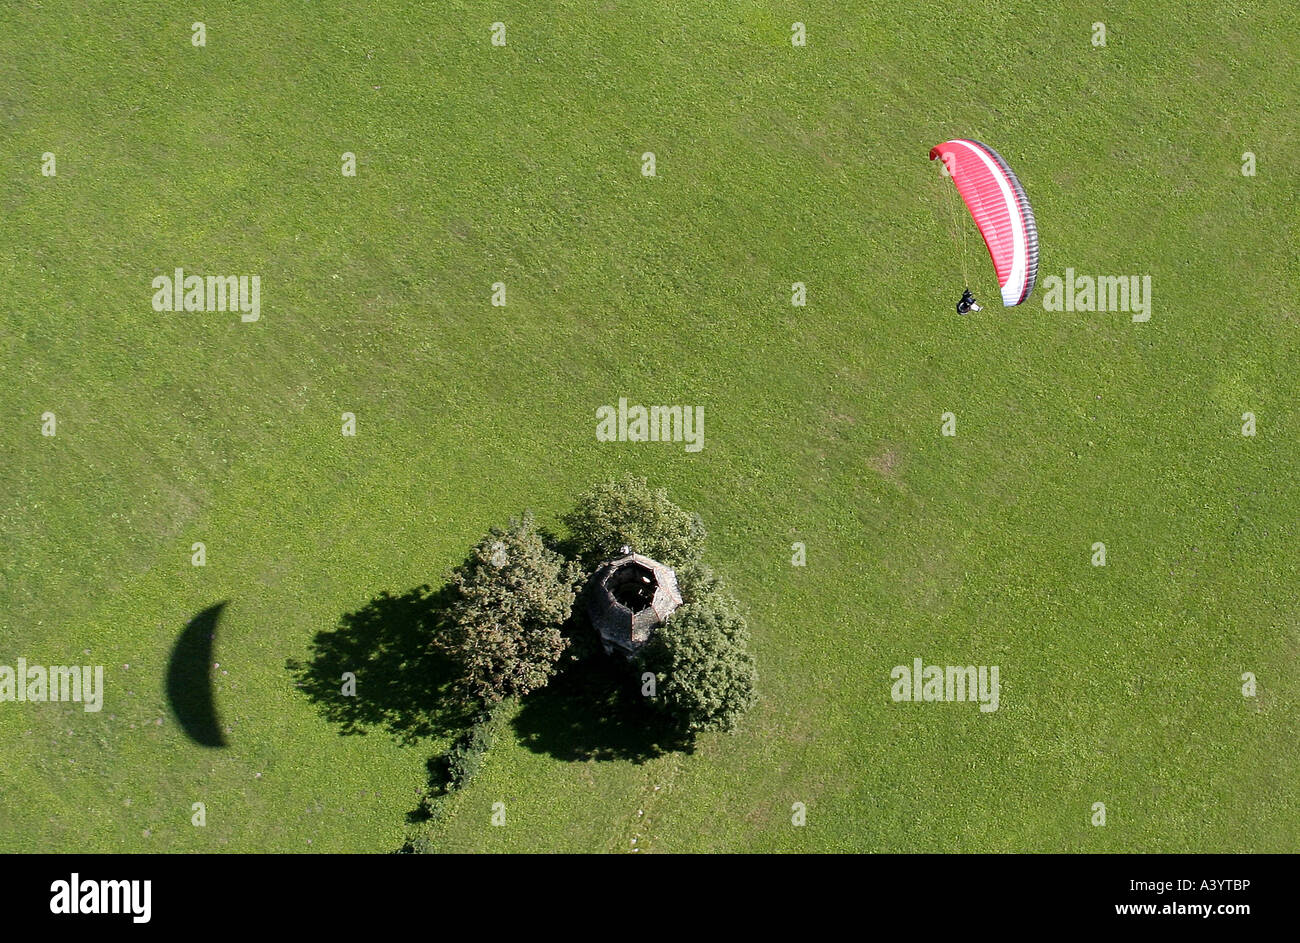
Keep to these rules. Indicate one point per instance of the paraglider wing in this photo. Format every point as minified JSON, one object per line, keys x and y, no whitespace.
{"x":1001,"y":211}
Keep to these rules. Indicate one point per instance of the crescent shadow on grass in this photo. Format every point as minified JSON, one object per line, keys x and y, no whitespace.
{"x":189,"y":680}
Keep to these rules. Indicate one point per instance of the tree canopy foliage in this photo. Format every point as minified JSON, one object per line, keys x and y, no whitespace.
{"x":628,"y":512}
{"x":700,"y":657}
{"x":508,"y":601}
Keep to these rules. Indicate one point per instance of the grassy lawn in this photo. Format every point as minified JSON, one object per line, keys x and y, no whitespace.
{"x":521,"y":164}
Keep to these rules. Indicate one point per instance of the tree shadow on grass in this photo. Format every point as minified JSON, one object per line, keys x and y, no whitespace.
{"x":593,"y":710}
{"x":403,"y":683}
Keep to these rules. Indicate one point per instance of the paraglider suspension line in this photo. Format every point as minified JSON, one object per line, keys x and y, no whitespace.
{"x":957,"y":225}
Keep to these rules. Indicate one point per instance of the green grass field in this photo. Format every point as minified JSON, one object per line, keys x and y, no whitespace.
{"x":521,"y":164}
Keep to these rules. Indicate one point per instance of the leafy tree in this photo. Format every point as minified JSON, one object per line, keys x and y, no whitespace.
{"x":468,"y":753}
{"x":628,"y":512}
{"x":700,"y":657}
{"x":508,"y":601}
{"x":697,"y":580}
{"x":583,"y":640}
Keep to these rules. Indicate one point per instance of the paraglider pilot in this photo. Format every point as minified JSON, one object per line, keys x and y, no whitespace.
{"x":967,"y":303}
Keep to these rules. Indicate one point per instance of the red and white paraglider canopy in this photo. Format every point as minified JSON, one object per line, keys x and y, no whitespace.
{"x":1001,"y":211}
